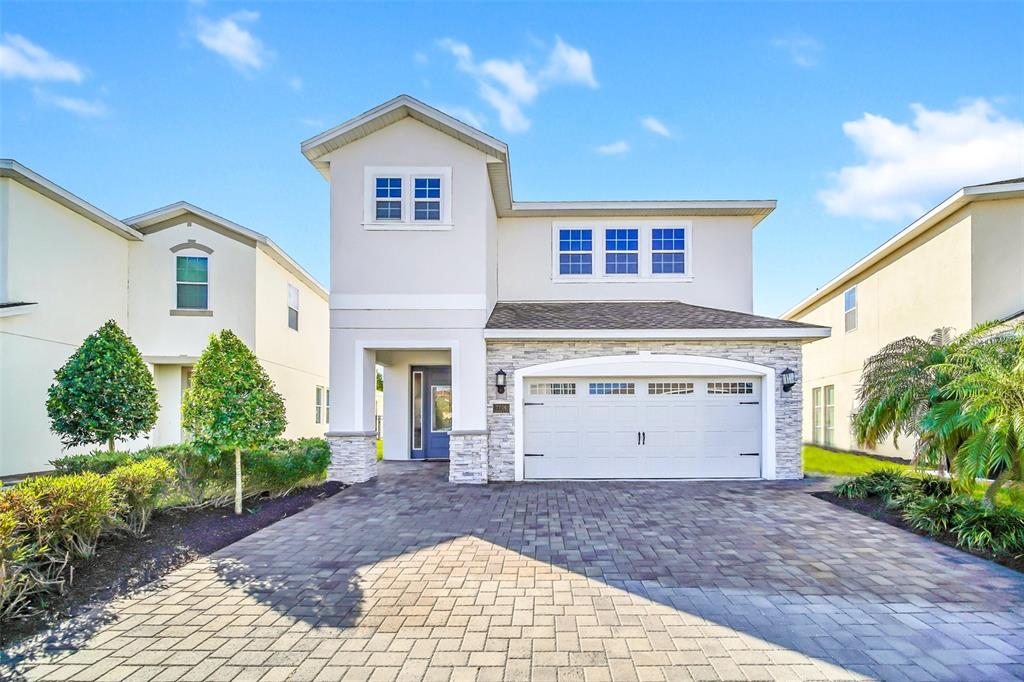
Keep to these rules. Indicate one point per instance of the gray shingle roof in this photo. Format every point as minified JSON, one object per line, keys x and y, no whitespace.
{"x":626,"y":315}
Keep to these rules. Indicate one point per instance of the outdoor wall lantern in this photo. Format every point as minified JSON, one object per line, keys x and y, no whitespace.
{"x":499,"y":381}
{"x":788,"y":377}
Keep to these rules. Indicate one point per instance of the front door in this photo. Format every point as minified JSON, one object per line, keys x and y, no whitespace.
{"x":431,"y":412}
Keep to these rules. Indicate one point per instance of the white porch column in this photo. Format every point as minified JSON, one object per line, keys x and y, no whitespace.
{"x":468,"y":439}
{"x":351,"y":434}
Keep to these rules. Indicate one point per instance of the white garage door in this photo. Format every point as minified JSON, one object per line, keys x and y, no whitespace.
{"x":664,"y":427}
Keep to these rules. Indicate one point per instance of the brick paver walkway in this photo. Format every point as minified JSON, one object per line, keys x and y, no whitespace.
{"x":410,"y":578}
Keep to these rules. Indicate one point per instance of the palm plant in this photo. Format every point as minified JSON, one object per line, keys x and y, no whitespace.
{"x":986,"y":382}
{"x":902,"y":383}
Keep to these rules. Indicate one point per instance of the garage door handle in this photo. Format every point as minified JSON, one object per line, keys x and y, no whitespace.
{"x":749,"y":402}
{"x":533,"y":454}
{"x":533,"y":403}
{"x":750,"y":454}
{"x":638,"y":438}
{"x":645,"y":438}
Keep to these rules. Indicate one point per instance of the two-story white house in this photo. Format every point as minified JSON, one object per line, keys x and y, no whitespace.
{"x":540,"y":340}
{"x":169,"y":278}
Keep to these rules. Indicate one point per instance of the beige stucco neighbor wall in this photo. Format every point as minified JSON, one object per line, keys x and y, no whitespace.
{"x":44,"y":238}
{"x":512,"y":356}
{"x":968,"y":269}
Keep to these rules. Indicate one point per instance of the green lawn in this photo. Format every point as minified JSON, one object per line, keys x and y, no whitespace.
{"x":819,"y":462}
{"x":380,"y":449}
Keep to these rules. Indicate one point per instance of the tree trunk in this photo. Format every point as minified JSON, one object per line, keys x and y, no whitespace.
{"x":238,"y":480}
{"x":989,"y":501}
{"x":110,"y":444}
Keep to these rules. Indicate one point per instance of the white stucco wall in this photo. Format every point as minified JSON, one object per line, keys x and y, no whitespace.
{"x":77,"y":272}
{"x":997,"y":259}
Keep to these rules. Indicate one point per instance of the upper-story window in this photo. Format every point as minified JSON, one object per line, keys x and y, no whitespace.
{"x":850,"y":309}
{"x":407,"y":198}
{"x":622,"y":251}
{"x":668,"y":251}
{"x":389,"y":198}
{"x":427,"y":198}
{"x":575,"y":252}
{"x":293,"y":307}
{"x":617,"y":252}
{"x":192,"y":278}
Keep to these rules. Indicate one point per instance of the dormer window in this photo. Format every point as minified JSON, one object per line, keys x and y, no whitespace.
{"x":427,"y":198}
{"x":389,"y":198}
{"x":407,"y":198}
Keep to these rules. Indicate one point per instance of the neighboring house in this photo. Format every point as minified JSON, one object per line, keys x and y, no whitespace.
{"x":170,"y":278}
{"x":622,"y":330}
{"x":960,"y":264}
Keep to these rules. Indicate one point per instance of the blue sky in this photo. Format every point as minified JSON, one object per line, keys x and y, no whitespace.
{"x":854,"y":117}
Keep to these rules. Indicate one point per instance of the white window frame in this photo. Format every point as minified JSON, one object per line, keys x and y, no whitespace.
{"x":416,"y":202}
{"x":408,"y":174}
{"x":686,"y":254}
{"x":556,"y":263}
{"x":318,"y":405}
{"x":829,"y":416}
{"x":607,"y":251}
{"x":192,"y":253}
{"x":644,"y":270}
{"x":288,"y":305}
{"x":817,"y":416}
{"x":846,"y":312}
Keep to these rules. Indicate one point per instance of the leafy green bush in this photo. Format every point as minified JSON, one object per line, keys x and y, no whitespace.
{"x":888,"y":484}
{"x":26,"y":568}
{"x":138,"y":487}
{"x":935,"y":515}
{"x":99,"y":461}
{"x":63,"y":513}
{"x":997,"y":530}
{"x":933,"y":486}
{"x":286,"y":466}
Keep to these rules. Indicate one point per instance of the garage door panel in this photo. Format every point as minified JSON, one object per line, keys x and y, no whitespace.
{"x":692,"y":428}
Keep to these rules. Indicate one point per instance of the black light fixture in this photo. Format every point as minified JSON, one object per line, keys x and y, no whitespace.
{"x":788,"y":377}
{"x":499,"y":381}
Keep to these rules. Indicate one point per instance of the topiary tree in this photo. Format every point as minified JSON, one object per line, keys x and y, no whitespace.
{"x":231,"y":403}
{"x":103,"y":393}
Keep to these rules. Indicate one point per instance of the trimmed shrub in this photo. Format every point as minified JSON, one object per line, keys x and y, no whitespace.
{"x":286,"y":466}
{"x":138,"y":487}
{"x":99,"y":462}
{"x":64,"y":513}
{"x":26,"y":568}
{"x":885,"y":483}
{"x":996,"y":530}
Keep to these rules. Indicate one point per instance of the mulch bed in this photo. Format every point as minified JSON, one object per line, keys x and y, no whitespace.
{"x":173,"y":538}
{"x":876,"y":509}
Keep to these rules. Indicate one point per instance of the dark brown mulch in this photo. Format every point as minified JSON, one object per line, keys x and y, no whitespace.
{"x":876,"y":509}
{"x":173,"y":538}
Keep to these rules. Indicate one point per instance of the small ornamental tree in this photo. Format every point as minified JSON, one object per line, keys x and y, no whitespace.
{"x":103,"y":393}
{"x":231,"y":403}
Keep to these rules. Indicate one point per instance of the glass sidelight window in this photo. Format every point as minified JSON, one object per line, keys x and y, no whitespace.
{"x":417,"y":410}
{"x":830,"y":415}
{"x":441,"y":408}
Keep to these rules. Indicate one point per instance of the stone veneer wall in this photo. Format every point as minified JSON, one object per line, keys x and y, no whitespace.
{"x":512,"y":356}
{"x":467,"y":457}
{"x":353,"y":457}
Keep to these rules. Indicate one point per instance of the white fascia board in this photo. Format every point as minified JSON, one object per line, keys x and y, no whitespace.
{"x":660,"y":334}
{"x":9,"y":168}
{"x":408,"y":302}
{"x":947,"y":208}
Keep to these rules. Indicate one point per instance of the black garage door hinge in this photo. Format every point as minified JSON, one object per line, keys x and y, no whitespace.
{"x":749,"y":402}
{"x":750,"y":454}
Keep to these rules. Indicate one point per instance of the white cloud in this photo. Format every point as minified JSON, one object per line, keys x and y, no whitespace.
{"x":420,"y":58}
{"x":228,"y":38}
{"x":509,"y":85}
{"x":21,"y":58}
{"x":655,"y":126}
{"x":804,"y":51}
{"x":295,"y":83}
{"x":313,"y":122}
{"x":909,"y":167}
{"x":613,"y":148}
{"x":75,"y":105}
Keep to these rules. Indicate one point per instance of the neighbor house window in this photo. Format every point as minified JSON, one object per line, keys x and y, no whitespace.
{"x":622,"y":251}
{"x":575,"y":252}
{"x":327,"y":406}
{"x":193,"y":282}
{"x":293,"y":308}
{"x":668,"y":251}
{"x":427,"y":199}
{"x":319,"y":404}
{"x":850,"y":308}
{"x":389,"y":198}
{"x":816,"y":416}
{"x":830,"y":415}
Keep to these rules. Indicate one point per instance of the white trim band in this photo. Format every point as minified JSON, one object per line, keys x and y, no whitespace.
{"x":408,"y":302}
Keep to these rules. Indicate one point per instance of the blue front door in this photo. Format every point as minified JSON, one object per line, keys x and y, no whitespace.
{"x":431,"y":412}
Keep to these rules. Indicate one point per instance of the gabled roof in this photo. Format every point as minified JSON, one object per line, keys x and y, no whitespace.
{"x":1002,"y":189}
{"x":498,"y":169}
{"x":635,"y":319}
{"x":9,"y":168}
{"x":154,"y":220}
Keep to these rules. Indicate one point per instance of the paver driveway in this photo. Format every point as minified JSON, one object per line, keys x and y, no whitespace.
{"x":410,"y":578}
